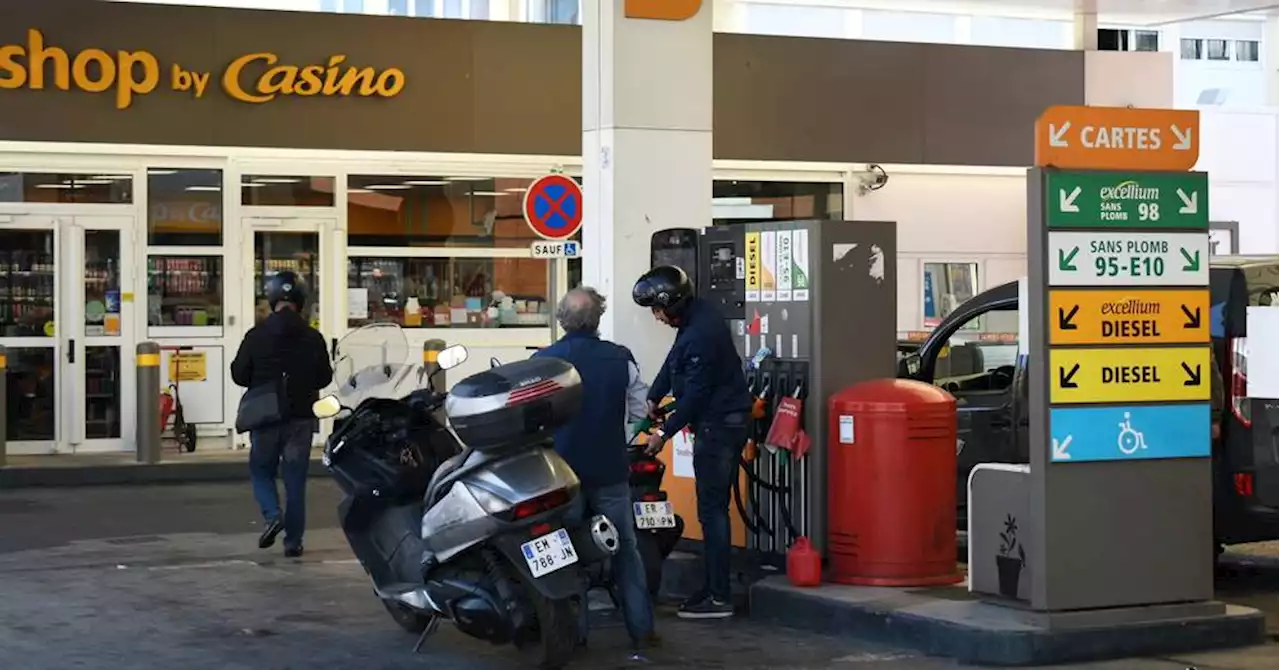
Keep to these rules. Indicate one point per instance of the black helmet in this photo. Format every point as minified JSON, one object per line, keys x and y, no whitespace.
{"x":288,"y":287}
{"x":665,"y":287}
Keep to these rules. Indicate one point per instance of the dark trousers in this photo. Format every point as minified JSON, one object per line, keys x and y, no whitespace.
{"x":717,"y":451}
{"x":283,"y":449}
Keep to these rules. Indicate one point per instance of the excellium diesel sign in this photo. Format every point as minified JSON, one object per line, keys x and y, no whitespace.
{"x":252,"y":78}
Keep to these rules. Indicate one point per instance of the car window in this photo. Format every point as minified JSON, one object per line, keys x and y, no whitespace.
{"x":985,"y":345}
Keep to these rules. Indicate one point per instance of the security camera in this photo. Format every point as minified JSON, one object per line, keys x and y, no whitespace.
{"x":872,"y":179}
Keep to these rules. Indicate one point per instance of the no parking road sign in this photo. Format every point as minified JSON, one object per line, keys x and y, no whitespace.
{"x":553,"y":206}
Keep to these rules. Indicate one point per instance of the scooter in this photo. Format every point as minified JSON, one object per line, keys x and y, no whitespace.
{"x":455,"y":504}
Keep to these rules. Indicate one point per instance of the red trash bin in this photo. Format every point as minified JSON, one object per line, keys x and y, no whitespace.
{"x":891,"y":502}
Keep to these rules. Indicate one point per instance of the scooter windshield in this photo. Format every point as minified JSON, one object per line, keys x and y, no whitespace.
{"x":373,"y":362}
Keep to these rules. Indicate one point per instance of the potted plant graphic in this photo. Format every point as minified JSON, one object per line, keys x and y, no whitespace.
{"x":1011,"y":558}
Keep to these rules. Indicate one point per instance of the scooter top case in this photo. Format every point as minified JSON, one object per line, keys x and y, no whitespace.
{"x":518,"y":403}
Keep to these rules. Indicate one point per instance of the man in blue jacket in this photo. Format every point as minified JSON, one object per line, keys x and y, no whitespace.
{"x":705,"y":375}
{"x":595,"y":445}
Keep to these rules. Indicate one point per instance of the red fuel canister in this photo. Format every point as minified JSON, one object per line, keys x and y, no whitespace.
{"x":804,"y":565}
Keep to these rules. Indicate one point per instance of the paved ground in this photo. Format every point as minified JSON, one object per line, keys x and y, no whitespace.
{"x":164,"y":577}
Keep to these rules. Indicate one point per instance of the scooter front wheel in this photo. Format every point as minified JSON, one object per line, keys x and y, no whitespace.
{"x":406,"y":618}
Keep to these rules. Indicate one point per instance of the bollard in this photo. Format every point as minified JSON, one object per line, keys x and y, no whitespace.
{"x":148,"y":424}
{"x":430,"y":350}
{"x":4,"y":403}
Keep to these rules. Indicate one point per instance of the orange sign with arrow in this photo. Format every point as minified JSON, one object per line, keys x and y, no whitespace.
{"x":1118,"y":138}
{"x":1128,"y":316}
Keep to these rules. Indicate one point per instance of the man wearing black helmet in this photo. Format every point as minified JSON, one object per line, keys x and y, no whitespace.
{"x":283,"y":347}
{"x":705,"y":375}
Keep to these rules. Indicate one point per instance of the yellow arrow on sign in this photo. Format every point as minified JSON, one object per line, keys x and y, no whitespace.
{"x":1079,"y":376}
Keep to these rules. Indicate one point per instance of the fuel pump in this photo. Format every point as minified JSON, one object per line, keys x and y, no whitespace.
{"x":813,"y":306}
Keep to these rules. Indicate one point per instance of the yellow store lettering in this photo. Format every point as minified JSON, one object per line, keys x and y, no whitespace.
{"x":254,"y":78}
{"x":332,"y":79}
{"x":129,"y":73}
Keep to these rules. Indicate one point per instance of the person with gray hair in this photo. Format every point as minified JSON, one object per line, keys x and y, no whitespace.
{"x":595,"y":446}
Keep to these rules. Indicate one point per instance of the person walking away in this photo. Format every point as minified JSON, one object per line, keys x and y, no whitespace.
{"x":595,"y":446}
{"x":704,"y":373}
{"x":284,"y":346}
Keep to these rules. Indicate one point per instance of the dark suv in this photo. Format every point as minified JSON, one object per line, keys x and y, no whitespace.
{"x":989,"y":382}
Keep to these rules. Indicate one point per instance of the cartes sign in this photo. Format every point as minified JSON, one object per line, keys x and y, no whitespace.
{"x":1128,"y":317}
{"x":1128,"y":259}
{"x":1118,"y":138}
{"x":1137,"y":200}
{"x":1168,"y":374}
{"x":662,"y":10}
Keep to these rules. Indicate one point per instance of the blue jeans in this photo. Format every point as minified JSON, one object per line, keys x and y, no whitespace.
{"x":717,"y":450}
{"x":614,"y":502}
{"x":285,"y":448}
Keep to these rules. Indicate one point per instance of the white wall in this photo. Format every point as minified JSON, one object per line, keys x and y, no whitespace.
{"x":949,"y":218}
{"x":1240,"y":150}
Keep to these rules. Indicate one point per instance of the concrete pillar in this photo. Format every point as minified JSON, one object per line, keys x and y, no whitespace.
{"x":1086,"y":31}
{"x":646,"y":150}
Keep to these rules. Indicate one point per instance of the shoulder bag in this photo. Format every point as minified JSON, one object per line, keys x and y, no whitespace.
{"x":264,"y":406}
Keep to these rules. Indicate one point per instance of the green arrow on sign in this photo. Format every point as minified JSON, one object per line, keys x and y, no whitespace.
{"x":1193,"y":260}
{"x":1126,"y":200}
{"x":1067,"y":261}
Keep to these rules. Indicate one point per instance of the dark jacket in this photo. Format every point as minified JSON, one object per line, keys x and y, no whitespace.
{"x":594,"y":443}
{"x":285,"y":344}
{"x":702,"y":371}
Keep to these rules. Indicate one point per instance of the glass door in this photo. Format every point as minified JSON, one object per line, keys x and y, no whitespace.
{"x":28,"y":330}
{"x":99,"y":339}
{"x":302,"y":246}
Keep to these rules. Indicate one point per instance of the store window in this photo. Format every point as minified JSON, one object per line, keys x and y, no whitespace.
{"x":404,"y":211}
{"x":449,"y":292}
{"x":286,"y":191}
{"x":1217,"y":49}
{"x":1247,"y":50}
{"x":184,"y":291}
{"x":27,"y":295}
{"x":276,"y":252}
{"x":1192,"y":49}
{"x":946,"y":287}
{"x":736,"y":201}
{"x":184,"y":207}
{"x":50,"y":187}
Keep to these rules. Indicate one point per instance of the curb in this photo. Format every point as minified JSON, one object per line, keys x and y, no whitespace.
{"x":986,"y":634}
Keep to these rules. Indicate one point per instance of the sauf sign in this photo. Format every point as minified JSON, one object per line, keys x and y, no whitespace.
{"x":252,"y":78}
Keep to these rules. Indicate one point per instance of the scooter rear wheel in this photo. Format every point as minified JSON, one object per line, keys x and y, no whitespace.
{"x":557,"y":631}
{"x":409,"y":620}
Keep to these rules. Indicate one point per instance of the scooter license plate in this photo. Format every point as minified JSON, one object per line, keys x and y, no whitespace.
{"x":549,"y":553}
{"x":654,"y":515}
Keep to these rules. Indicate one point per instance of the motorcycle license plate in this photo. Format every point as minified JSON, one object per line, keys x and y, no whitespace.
{"x":549,"y":553}
{"x":654,"y":515}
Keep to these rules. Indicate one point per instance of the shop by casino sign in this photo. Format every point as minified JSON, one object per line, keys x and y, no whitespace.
{"x":254,"y":78}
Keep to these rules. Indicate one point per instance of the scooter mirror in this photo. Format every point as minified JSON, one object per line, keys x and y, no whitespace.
{"x":451,"y":357}
{"x":326,"y":407}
